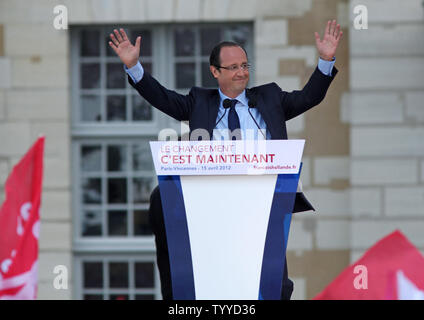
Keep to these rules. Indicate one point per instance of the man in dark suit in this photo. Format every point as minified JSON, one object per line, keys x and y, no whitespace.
{"x":206,"y":111}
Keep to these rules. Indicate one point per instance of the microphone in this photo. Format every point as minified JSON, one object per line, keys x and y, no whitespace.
{"x":226,"y":104}
{"x":252,"y":104}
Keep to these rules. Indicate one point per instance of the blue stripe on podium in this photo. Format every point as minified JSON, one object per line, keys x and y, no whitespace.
{"x":277,"y":236}
{"x":178,"y":238}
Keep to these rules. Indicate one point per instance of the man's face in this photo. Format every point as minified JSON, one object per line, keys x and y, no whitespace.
{"x":232,"y":83}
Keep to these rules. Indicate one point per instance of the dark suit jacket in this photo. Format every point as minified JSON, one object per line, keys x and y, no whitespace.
{"x":200,"y":106}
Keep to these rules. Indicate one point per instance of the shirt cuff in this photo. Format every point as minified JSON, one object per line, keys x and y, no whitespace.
{"x":326,"y":67}
{"x":136,"y":73}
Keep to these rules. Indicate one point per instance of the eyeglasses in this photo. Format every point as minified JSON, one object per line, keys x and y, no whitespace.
{"x":234,"y":67}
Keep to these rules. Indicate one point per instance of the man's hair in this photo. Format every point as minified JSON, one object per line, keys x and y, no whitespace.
{"x":214,"y":59}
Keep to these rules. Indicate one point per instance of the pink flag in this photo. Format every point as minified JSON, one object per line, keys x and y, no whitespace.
{"x":20,"y":225}
{"x":373,"y":276}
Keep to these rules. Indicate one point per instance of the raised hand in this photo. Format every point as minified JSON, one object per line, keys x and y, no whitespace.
{"x":122,"y":46}
{"x":328,"y":45}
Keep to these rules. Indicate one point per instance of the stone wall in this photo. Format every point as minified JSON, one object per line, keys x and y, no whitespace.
{"x":385,"y":110}
{"x":34,"y":100}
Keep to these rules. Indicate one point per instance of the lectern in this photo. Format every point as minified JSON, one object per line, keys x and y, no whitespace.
{"x":227,"y":210}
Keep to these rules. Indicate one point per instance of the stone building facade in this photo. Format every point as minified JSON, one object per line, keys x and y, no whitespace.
{"x":364,"y":156}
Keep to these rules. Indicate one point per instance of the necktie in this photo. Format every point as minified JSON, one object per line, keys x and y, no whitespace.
{"x":233,"y":120}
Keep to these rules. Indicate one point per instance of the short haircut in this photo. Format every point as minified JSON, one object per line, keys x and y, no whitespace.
{"x":214,"y":59}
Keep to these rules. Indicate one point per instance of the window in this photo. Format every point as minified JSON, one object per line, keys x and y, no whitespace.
{"x":104,"y":93}
{"x":112,"y":278}
{"x":112,"y":169}
{"x":116,"y":179}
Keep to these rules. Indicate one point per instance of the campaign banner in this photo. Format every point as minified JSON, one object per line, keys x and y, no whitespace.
{"x":225,"y":157}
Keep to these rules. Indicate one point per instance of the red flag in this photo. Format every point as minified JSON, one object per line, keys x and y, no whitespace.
{"x":400,"y":287}
{"x":20,"y":225}
{"x":370,"y":277}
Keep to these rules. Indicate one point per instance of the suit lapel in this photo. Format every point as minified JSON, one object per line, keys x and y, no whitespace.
{"x":264,"y":111}
{"x":213,"y":106}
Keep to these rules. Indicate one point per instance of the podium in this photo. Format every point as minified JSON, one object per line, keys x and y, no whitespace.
{"x":227,"y":209}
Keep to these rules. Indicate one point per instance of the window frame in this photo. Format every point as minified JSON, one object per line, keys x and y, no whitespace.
{"x":130,"y":257}
{"x":85,"y":129}
{"x":78,"y":205}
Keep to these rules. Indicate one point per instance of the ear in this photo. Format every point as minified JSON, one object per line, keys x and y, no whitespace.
{"x":214,"y":71}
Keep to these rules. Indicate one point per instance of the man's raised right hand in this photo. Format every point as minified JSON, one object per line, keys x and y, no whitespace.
{"x":122,"y":46}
